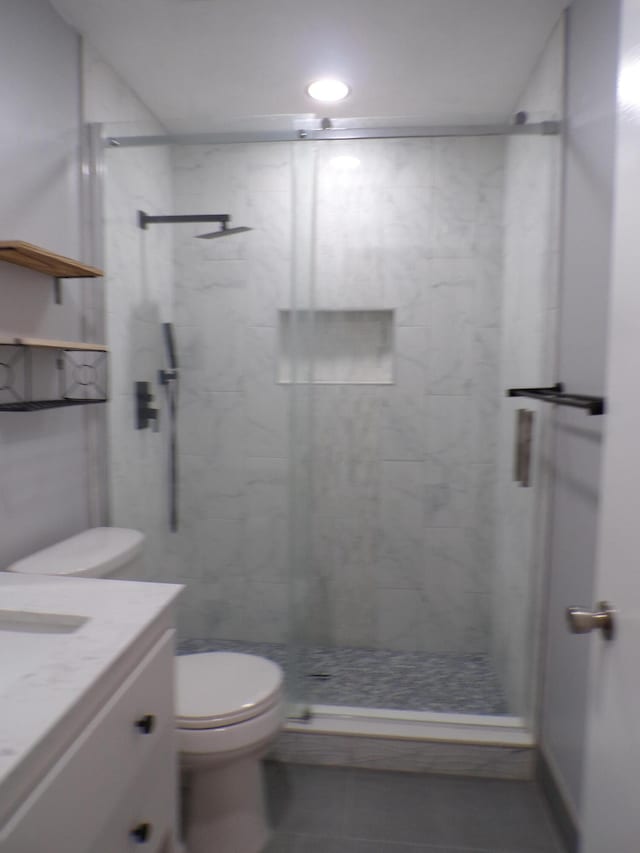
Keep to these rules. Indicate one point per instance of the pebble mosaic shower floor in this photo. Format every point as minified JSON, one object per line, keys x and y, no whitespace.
{"x":372,"y":678}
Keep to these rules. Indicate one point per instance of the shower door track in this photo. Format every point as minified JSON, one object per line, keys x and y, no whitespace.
{"x":542,"y":128}
{"x":481,"y":729}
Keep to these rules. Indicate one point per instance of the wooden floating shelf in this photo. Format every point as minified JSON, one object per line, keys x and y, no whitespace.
{"x":42,"y":260}
{"x":46,"y":343}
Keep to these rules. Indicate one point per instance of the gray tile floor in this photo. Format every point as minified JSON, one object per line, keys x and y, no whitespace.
{"x":340,"y":810}
{"x":379,"y":678}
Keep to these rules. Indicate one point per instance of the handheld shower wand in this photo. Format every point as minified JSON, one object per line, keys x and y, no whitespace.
{"x":170,"y":345}
{"x":169,"y":378}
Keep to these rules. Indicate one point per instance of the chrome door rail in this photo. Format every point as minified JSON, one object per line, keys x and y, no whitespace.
{"x":543,"y":128}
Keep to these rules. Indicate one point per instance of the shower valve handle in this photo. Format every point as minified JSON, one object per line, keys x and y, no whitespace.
{"x":146,"y":414}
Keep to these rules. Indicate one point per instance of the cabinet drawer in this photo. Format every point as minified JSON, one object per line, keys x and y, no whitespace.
{"x":88,"y":780}
{"x":148,"y":807}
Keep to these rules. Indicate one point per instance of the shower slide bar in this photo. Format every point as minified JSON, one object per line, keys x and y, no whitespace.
{"x":559,"y":397}
{"x":542,"y":128}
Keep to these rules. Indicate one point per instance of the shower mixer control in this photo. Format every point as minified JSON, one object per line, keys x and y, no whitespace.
{"x":146,"y":414}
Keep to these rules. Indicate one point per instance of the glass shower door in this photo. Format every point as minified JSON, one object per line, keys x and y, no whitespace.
{"x":296,"y":364}
{"x":402,"y":441}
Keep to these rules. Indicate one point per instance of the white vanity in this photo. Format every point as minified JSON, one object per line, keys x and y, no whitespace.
{"x":87,"y":753}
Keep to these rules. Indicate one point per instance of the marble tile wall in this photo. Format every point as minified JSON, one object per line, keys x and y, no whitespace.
{"x":527,"y":359}
{"x":138,"y":299}
{"x":404,"y":475}
{"x":138,"y":296}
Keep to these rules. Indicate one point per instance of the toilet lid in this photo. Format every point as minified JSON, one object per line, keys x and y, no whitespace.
{"x":219,"y":688}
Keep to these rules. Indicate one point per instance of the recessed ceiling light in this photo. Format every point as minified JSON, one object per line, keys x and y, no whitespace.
{"x":328,"y":90}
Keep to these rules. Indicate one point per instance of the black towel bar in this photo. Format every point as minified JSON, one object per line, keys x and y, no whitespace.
{"x":557,"y":395}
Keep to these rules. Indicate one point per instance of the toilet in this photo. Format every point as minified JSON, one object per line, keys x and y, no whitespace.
{"x":229,"y":707}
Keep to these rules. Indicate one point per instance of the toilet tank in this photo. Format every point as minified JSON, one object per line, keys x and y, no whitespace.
{"x":100,"y":552}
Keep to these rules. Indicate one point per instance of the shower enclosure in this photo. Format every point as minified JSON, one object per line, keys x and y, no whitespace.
{"x":345,"y":446}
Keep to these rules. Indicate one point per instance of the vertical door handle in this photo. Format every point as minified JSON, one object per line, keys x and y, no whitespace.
{"x":522,"y":449}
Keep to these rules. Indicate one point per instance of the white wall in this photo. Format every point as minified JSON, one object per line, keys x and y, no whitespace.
{"x":589,"y":165}
{"x":527,"y":359}
{"x":43,"y":468}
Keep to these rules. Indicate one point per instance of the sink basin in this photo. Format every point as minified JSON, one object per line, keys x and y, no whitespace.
{"x":28,"y":640}
{"x":26,"y":622}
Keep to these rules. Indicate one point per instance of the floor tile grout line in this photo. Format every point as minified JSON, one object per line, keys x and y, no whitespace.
{"x":410,"y":845}
{"x":449,"y":848}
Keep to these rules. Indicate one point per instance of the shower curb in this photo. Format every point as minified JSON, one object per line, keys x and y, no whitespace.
{"x":408,"y":755}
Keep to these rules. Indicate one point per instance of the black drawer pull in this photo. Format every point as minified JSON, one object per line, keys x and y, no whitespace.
{"x":146,"y":724}
{"x":142,"y":833}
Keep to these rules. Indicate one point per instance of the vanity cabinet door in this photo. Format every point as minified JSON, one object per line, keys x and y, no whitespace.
{"x":144,"y":821}
{"x":66,"y":809}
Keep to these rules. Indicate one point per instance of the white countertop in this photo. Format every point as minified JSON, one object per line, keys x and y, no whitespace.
{"x":43,"y":679}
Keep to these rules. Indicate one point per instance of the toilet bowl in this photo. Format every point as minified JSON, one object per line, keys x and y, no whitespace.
{"x":229,"y":707}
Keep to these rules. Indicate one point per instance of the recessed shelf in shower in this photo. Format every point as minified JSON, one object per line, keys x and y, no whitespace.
{"x":336,"y":347}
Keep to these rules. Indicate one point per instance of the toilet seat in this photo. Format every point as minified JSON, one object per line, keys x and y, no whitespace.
{"x":226,"y":741}
{"x":217,"y":690}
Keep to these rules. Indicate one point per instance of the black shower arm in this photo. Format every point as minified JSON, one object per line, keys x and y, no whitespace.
{"x":144,"y":219}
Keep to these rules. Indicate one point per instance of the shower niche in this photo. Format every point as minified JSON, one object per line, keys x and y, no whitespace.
{"x":336,"y":347}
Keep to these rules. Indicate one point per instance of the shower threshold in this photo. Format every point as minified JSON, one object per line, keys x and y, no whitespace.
{"x":478,"y":729}
{"x":498,"y":747}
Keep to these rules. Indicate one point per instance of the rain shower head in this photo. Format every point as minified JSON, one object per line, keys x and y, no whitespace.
{"x":223,"y":218}
{"x":223,"y":231}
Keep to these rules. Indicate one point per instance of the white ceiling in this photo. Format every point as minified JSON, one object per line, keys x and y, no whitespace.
{"x":200,"y":64}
